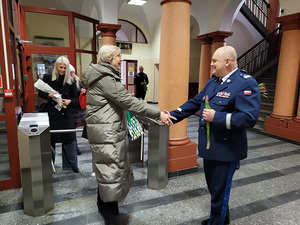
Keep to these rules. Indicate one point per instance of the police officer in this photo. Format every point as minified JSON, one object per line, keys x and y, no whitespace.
{"x":234,"y":99}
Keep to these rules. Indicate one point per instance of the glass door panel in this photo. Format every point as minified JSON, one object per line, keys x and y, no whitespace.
{"x":41,"y":64}
{"x":131,"y":71}
{"x":82,"y":62}
{"x":84,"y":33}
{"x":4,"y":156}
{"x":47,"y":29}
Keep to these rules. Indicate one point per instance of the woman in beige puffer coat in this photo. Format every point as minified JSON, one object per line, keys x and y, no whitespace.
{"x":107,"y":103}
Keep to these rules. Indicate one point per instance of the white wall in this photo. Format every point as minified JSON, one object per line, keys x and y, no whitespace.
{"x":142,"y":53}
{"x":244,"y":35}
{"x":147,"y":55}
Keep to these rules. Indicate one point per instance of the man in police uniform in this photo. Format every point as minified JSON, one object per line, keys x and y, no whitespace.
{"x":234,"y":98}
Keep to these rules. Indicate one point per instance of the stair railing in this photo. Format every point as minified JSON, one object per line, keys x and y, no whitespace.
{"x":261,"y":53}
{"x":259,"y":9}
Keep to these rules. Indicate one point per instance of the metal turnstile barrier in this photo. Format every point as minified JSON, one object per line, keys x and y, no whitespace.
{"x":136,"y":150}
{"x":35,"y":163}
{"x":158,"y":150}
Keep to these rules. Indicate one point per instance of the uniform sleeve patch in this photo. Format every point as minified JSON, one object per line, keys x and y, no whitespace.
{"x":247,"y":92}
{"x":228,"y":121}
{"x":179,"y":109}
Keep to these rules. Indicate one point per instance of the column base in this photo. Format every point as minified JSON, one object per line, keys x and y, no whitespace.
{"x":289,"y":129}
{"x":182,"y":157}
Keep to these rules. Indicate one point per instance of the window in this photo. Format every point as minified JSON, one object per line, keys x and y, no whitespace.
{"x":130,"y":33}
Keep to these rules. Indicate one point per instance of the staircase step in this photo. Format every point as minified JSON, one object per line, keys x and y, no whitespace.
{"x":265,"y":111}
{"x":267,"y":104}
{"x":266,"y":108}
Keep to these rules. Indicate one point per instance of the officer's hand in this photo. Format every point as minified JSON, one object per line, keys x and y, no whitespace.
{"x":166,"y":118}
{"x":208,"y":114}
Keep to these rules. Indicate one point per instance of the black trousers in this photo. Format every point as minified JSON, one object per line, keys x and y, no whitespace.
{"x":69,"y":154}
{"x":141,"y":94}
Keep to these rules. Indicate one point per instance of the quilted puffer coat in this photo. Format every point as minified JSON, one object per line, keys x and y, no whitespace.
{"x":107,"y":103}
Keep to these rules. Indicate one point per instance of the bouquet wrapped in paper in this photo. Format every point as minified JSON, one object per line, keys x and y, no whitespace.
{"x":41,"y":85}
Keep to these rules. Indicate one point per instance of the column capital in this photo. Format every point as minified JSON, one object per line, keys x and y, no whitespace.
{"x":205,"y":39}
{"x":169,"y":1}
{"x":289,"y":22}
{"x":220,"y":36}
{"x":108,"y":30}
{"x":217,"y":36}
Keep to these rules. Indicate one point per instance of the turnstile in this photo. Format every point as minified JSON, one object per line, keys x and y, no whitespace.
{"x":158,"y":150}
{"x":35,"y":163}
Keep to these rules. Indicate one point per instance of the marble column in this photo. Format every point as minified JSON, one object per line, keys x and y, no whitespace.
{"x":205,"y":59}
{"x":218,"y":40}
{"x":174,"y":78}
{"x":297,"y":119}
{"x":282,"y":121}
{"x":108,"y":33}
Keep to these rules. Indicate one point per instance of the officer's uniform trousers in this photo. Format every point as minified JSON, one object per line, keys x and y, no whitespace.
{"x":236,"y":103}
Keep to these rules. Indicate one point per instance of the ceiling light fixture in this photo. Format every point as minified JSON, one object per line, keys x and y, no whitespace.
{"x":136,"y":2}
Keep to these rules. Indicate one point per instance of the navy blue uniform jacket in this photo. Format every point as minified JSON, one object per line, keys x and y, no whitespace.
{"x":237,"y":105}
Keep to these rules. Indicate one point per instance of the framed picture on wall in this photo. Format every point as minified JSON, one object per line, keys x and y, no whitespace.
{"x":49,"y":41}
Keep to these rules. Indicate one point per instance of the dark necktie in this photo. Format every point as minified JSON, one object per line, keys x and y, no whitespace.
{"x":217,"y":83}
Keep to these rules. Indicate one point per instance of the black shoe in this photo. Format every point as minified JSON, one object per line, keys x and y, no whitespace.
{"x":78,"y":151}
{"x":238,"y":166}
{"x":205,"y":222}
{"x":76,"y":170}
{"x":116,"y":219}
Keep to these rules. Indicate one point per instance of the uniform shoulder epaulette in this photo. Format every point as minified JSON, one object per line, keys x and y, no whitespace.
{"x":244,"y":74}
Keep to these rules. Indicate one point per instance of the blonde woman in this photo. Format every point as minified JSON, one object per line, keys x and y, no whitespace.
{"x":62,"y":82}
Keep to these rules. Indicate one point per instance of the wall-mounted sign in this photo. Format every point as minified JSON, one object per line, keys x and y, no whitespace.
{"x":8,"y":93}
{"x":123,"y":72}
{"x":126,"y":46}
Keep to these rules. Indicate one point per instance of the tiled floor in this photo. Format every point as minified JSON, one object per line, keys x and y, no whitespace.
{"x":266,"y":190}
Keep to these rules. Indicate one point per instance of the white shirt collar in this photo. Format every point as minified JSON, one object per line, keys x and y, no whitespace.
{"x":227,"y":76}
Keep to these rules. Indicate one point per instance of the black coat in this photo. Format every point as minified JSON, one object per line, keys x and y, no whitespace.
{"x":138,"y":79}
{"x":63,"y":119}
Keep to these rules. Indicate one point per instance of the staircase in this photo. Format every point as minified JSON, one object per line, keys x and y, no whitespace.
{"x":261,"y":61}
{"x":266,"y":108}
{"x":256,"y":12}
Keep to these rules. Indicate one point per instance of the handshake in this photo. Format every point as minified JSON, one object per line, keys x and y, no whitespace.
{"x":166,"y":118}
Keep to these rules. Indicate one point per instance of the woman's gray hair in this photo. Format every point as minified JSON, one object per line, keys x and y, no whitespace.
{"x":106,"y":53}
{"x":62,"y":59}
